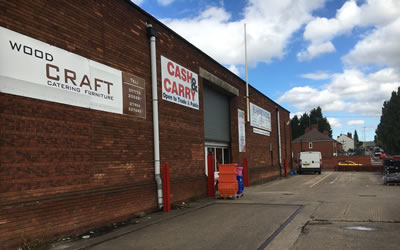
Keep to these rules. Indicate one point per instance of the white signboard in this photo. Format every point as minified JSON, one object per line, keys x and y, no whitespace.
{"x":242,"y":131}
{"x":179,"y":85}
{"x":261,"y":132}
{"x":35,"y":69}
{"x":260,"y":118}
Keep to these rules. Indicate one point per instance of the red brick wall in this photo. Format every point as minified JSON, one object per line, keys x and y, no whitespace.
{"x":64,"y":169}
{"x":360,"y":159}
{"x":325,"y":147}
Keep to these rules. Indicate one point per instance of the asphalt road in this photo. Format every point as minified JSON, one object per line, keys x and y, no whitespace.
{"x":334,"y":210}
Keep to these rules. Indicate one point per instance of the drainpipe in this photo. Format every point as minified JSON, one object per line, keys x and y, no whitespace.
{"x":279,"y":141}
{"x":152,"y":34}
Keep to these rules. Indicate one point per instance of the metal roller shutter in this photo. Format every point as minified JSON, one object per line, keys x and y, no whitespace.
{"x":216,"y":115}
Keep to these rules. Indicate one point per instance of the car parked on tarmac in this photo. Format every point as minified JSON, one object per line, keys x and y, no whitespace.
{"x":378,"y":151}
{"x":348,"y":163}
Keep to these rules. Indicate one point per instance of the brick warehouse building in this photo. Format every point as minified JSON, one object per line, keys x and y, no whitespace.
{"x":76,"y":114}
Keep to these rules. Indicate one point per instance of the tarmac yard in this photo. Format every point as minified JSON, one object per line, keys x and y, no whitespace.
{"x":334,"y":210}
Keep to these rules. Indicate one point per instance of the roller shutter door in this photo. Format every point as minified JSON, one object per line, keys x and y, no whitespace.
{"x":216,"y":115}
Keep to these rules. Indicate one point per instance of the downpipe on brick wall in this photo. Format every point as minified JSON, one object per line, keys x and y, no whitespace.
{"x":279,"y":141}
{"x":152,"y":34}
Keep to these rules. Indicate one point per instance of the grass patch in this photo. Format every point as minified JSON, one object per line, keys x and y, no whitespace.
{"x":37,"y":243}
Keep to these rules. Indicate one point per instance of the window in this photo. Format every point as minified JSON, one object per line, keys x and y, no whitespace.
{"x":310,"y":145}
{"x":221,"y":156}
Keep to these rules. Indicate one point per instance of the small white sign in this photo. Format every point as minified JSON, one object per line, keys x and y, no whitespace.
{"x":259,"y":117}
{"x":261,"y":132}
{"x":179,"y":85}
{"x":242,"y":131}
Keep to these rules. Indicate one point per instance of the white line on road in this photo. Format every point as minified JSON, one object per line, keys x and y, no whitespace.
{"x":334,"y":179}
{"x":323,"y":178}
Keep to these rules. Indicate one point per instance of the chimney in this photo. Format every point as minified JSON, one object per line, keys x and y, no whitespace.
{"x":314,"y":126}
{"x":349,"y":135}
{"x":326,"y":133}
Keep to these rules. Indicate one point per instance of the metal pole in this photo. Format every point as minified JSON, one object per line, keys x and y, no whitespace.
{"x":247,"y":78}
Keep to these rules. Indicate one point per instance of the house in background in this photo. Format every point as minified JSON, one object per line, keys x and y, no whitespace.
{"x":347,"y":141}
{"x":313,"y":140}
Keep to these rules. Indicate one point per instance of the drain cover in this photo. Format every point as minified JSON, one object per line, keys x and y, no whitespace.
{"x":361,"y":228}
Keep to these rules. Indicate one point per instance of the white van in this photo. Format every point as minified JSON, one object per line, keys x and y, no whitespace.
{"x":309,"y":162}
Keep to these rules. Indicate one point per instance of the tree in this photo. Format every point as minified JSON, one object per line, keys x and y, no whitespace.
{"x":356,"y":141}
{"x":295,"y":125}
{"x":316,"y":117}
{"x":357,"y":144}
{"x":304,"y":123}
{"x":388,"y":131}
{"x":299,"y":126}
{"x":323,"y":125}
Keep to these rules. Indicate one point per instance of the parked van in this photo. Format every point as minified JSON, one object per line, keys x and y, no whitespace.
{"x":309,"y":162}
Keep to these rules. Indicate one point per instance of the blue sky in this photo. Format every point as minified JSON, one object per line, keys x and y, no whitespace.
{"x":341,"y":55}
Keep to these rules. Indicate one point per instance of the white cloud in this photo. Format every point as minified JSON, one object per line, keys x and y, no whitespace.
{"x":234,"y":69}
{"x":298,"y":114}
{"x":351,"y":91}
{"x":379,"y":12}
{"x":355,"y":122}
{"x":381,"y":47}
{"x":375,"y":13}
{"x":321,"y":30}
{"x":315,"y":50}
{"x":334,"y":122}
{"x":137,"y":2}
{"x":270,"y":25}
{"x":164,"y":2}
{"x":317,"y":76}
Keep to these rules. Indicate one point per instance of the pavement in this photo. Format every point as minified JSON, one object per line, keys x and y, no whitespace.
{"x":334,"y":210}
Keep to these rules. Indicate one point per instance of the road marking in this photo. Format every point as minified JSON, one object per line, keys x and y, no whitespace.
{"x":361,"y":228}
{"x":334,"y":180}
{"x":323,"y":178}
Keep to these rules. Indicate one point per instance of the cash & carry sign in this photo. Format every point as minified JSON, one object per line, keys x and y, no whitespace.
{"x":35,"y":69}
{"x":179,"y":85}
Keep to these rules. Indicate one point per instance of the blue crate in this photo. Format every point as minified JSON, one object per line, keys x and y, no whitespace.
{"x":240,"y":184}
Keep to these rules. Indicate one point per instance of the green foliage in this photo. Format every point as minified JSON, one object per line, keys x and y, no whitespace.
{"x":295,"y":125}
{"x":299,"y":125}
{"x":323,"y":125}
{"x":304,"y":122}
{"x":388,"y":131}
{"x":357,"y":144}
{"x":315,"y":115}
{"x":37,"y":243}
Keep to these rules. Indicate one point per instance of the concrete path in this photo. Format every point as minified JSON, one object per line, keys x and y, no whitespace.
{"x":334,"y":210}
